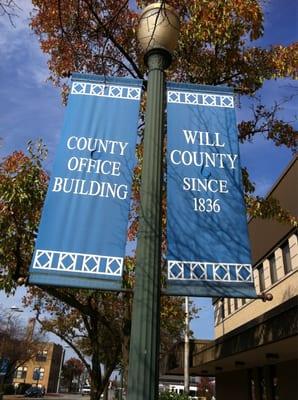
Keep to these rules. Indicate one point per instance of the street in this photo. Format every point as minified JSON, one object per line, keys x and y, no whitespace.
{"x":56,"y":396}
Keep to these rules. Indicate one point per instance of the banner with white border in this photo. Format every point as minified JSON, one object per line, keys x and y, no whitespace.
{"x":82,"y":235}
{"x":208,"y":245}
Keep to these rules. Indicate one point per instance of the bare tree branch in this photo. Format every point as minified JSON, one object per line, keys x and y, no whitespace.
{"x":9,"y":9}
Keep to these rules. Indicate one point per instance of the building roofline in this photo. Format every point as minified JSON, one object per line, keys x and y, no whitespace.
{"x":284,"y":172}
{"x":282,"y":308}
{"x":278,"y":180}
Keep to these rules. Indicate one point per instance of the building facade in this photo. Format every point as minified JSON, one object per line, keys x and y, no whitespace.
{"x":42,"y":370}
{"x":255,"y":352}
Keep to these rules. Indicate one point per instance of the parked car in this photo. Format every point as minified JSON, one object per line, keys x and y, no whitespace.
{"x":34,"y":391}
{"x":22,"y":387}
{"x":86,"y":389}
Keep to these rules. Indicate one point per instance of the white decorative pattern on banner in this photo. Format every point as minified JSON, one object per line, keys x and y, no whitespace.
{"x":208,"y":271}
{"x":201,"y":99}
{"x":102,"y":90}
{"x":77,"y":262}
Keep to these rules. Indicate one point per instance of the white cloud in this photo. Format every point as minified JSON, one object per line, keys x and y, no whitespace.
{"x":12,"y":36}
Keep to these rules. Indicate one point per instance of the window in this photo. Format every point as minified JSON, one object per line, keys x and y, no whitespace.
{"x":38,"y":374}
{"x":236,"y":304}
{"x":243,"y":301}
{"x":274,"y":383}
{"x":21,"y":373}
{"x":42,"y":355}
{"x":252,"y":385}
{"x":272,"y":265}
{"x":219,"y":312}
{"x":261,"y":277}
{"x":229,"y":306}
{"x":252,"y":389}
{"x":222,"y":308}
{"x":263,"y":389}
{"x":216,"y":315}
{"x":286,"y":258}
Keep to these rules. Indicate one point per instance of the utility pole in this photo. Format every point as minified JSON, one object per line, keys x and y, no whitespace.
{"x":186,"y":348}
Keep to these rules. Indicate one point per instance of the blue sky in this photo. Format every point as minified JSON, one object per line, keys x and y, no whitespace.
{"x":31,"y":108}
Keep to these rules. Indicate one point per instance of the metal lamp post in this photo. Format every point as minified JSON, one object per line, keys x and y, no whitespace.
{"x":186,"y":348}
{"x":158,"y":35}
{"x":60,"y":368}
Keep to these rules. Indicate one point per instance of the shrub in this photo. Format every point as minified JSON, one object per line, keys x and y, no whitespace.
{"x":172,"y":396}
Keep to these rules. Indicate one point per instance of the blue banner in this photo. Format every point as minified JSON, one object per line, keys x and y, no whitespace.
{"x":208,"y":245}
{"x":82,"y":235}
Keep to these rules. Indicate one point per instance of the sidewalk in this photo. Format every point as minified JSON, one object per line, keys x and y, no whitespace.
{"x":21,"y":396}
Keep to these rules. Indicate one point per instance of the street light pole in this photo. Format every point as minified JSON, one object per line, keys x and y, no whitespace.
{"x":60,"y":369}
{"x":186,"y":348}
{"x":143,"y":360}
{"x":158,"y":33}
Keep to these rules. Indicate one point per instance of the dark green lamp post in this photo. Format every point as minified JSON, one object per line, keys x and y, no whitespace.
{"x":158,"y":35}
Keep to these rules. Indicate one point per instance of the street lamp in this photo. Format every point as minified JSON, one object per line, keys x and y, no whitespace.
{"x":158,"y":35}
{"x":158,"y":28}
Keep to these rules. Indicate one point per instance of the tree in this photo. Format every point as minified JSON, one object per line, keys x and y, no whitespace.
{"x":18,"y":344}
{"x":100,"y":37}
{"x":73,"y":368}
{"x":95,"y":324}
{"x":23,"y":185}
